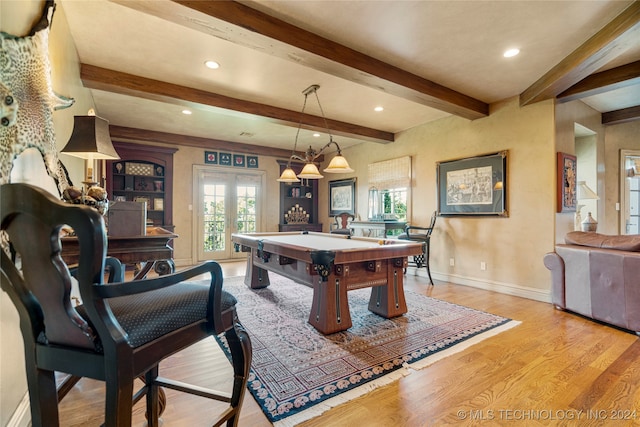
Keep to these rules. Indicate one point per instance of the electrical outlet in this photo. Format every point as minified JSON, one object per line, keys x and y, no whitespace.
{"x":483,"y":265}
{"x":452,"y":262}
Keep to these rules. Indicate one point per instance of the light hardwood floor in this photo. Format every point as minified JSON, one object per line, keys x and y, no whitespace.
{"x":555,"y":369}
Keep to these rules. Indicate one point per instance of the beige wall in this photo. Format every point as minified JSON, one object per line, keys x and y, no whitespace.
{"x":511,"y":247}
{"x":625,"y":136}
{"x":16,"y":18}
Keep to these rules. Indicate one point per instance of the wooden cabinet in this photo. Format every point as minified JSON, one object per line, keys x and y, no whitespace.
{"x":299,"y":199}
{"x":144,"y":173}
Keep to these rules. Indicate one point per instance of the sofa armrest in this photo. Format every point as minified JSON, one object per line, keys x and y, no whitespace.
{"x":556,"y":265}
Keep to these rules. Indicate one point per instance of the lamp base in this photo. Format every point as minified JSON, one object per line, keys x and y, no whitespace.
{"x":589,"y":224}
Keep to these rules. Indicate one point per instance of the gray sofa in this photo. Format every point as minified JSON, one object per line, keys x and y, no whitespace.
{"x":598,"y":276}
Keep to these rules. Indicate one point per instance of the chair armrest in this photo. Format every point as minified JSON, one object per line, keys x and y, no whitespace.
{"x":113,"y":290}
{"x":113,"y":266}
{"x":422,"y":234}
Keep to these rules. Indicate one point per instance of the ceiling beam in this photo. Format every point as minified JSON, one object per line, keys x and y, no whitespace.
{"x":600,"y":49}
{"x":621,"y":116}
{"x":240,"y":24}
{"x":127,"y":84}
{"x":605,"y":81}
{"x":127,"y":134}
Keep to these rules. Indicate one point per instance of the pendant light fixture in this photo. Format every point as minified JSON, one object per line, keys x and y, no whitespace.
{"x":310,"y":171}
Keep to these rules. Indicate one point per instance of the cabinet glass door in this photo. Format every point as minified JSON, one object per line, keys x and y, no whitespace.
{"x":227,"y":203}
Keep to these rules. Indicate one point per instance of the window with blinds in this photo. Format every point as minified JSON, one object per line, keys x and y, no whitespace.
{"x":389,"y":189}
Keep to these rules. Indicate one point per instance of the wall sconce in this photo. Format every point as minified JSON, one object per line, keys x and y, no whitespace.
{"x":310,"y":171}
{"x":584,"y":193}
{"x":90,"y":140}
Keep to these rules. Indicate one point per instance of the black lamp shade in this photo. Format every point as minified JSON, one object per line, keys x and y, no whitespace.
{"x":90,"y":139}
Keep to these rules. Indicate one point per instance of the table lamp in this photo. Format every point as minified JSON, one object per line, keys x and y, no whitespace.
{"x":584,"y":193}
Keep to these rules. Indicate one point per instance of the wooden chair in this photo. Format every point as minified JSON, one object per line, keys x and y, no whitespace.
{"x":342,"y":221}
{"x":121,"y":330}
{"x":421,"y":234}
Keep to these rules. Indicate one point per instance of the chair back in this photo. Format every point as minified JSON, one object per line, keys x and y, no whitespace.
{"x":35,"y":276}
{"x":342,"y":220}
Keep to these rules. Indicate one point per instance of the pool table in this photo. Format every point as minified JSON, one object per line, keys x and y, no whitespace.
{"x":332,"y":265}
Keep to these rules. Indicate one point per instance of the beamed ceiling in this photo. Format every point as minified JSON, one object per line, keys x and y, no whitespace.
{"x":421,"y":60}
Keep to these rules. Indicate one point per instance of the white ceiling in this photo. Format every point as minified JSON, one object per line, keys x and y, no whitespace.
{"x":457,"y":44}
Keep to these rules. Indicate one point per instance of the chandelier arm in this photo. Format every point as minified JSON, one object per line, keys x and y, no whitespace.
{"x":324,"y":119}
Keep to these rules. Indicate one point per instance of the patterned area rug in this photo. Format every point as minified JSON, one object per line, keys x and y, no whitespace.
{"x":297,"y":373}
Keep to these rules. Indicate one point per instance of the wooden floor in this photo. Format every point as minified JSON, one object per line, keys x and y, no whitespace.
{"x":555,"y":369}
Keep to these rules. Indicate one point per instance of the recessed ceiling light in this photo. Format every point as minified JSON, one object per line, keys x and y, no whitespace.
{"x":317,"y":135}
{"x":511,"y":53}
{"x":378,"y":109}
{"x":186,"y":112}
{"x":212,"y":64}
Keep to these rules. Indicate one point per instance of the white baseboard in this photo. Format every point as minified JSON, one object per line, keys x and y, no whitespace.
{"x":22,"y":415}
{"x":503,"y":288}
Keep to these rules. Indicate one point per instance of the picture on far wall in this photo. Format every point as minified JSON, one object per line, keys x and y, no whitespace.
{"x":211,"y":157}
{"x":342,"y":196}
{"x":567,"y":175}
{"x":238,"y":160}
{"x":252,"y":162}
{"x":473,"y":185}
{"x":224,"y":159}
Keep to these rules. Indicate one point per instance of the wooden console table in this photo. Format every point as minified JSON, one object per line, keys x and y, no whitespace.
{"x":149,"y":251}
{"x":379,"y":227}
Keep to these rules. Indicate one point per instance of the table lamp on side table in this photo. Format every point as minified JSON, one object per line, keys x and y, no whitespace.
{"x":584,"y":193}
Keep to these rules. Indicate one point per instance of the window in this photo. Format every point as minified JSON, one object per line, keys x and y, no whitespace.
{"x":390,"y":189}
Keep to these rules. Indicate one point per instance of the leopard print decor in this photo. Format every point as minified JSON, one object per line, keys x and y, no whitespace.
{"x":27,"y":99}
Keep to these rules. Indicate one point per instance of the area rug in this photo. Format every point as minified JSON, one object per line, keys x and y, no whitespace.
{"x":297,"y":373}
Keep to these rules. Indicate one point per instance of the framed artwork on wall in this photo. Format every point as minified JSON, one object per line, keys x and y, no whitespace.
{"x":473,"y":186}
{"x":567,"y":174}
{"x":224,"y":159}
{"x":342,"y":196}
{"x":238,"y":160}
{"x":252,"y":161}
{"x":211,"y":157}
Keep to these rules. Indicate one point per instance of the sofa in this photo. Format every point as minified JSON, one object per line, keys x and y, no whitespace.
{"x":598,"y":276}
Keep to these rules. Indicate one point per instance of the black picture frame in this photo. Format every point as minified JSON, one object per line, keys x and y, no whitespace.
{"x":238,"y":160}
{"x":342,"y":196}
{"x":224,"y":159}
{"x":211,"y":157}
{"x":252,"y":162}
{"x":473,"y":186}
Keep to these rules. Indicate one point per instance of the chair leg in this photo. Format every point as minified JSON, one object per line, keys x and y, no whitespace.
{"x":153,"y":397}
{"x":43,"y":396}
{"x":119,"y":398}
{"x":241,"y":354}
{"x":426,"y":261}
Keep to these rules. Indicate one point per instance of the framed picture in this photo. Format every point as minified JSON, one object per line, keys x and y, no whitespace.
{"x":211,"y":157}
{"x":143,"y":199}
{"x":224,"y":159}
{"x":252,"y":162}
{"x":238,"y":160}
{"x":473,"y":185}
{"x":342,"y":196}
{"x":158,"y":204}
{"x":567,"y":200}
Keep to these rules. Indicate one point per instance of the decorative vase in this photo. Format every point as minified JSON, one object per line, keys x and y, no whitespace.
{"x":589,"y":224}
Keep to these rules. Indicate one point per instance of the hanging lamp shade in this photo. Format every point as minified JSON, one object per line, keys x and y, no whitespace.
{"x":338,"y":165}
{"x":310,"y":171}
{"x":90,"y":139}
{"x":288,"y":175}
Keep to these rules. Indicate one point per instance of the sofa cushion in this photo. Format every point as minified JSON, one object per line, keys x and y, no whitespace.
{"x":595,"y":240}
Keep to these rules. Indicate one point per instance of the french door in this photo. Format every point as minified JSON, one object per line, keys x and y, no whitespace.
{"x":226,"y":202}
{"x":629,"y":191}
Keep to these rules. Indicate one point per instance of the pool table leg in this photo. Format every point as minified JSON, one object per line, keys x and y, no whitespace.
{"x":330,"y":306}
{"x":255,"y":277}
{"x":388,"y":300}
